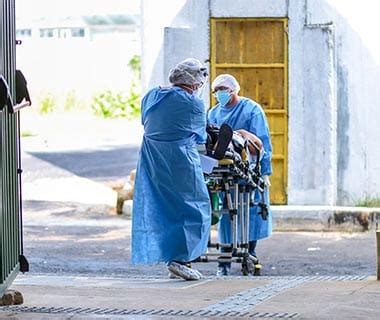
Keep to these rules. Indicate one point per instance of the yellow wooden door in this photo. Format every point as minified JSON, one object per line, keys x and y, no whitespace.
{"x":255,"y":52}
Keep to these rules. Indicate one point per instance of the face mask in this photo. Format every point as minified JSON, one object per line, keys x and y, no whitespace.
{"x":223,"y":97}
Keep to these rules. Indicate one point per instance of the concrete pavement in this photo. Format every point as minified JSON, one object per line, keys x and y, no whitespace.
{"x":70,"y":297}
{"x":48,"y":296}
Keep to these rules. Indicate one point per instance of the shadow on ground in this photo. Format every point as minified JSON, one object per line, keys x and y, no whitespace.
{"x":98,"y":165}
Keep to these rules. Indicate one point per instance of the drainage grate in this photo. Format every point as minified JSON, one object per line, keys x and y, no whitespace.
{"x":213,"y":277}
{"x":340,"y":278}
{"x":291,"y":278}
{"x":147,"y":312}
{"x":247,"y":300}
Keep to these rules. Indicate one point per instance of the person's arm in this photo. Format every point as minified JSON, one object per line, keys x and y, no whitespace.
{"x":259,"y":127}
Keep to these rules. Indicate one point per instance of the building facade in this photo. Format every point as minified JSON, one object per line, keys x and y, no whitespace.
{"x":309,"y":69}
{"x":77,"y":55}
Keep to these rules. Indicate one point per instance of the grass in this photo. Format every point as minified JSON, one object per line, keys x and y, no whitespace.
{"x":370,"y":202}
{"x":27,"y":133}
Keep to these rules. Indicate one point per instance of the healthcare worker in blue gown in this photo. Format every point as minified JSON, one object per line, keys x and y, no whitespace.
{"x":247,"y":117}
{"x":171,"y":208}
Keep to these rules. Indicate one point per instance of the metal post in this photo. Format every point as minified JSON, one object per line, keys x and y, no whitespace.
{"x":247,"y":214}
{"x":378,"y":253}
{"x":241,"y":215}
{"x":235,"y":221}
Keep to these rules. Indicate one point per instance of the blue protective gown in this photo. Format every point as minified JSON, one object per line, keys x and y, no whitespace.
{"x":248,"y":115}
{"x":171,"y":214}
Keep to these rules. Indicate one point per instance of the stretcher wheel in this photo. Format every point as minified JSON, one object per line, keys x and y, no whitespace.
{"x":244,"y":269}
{"x":257,"y":269}
{"x":247,"y":266}
{"x":251,"y":266}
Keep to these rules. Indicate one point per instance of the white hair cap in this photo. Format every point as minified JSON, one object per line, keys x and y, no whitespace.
{"x":189,"y":71}
{"x":226,"y":80}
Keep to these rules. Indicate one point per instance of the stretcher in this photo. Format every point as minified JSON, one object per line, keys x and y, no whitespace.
{"x":231,"y":185}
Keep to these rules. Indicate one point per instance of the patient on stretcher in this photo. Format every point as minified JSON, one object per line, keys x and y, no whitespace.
{"x":224,"y":143}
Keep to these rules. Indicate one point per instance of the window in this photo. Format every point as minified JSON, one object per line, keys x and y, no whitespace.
{"x":77,"y":32}
{"x":24,"y":33}
{"x":64,"y":33}
{"x":47,"y":33}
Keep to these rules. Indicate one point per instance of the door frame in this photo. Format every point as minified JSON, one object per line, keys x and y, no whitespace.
{"x":285,"y":66}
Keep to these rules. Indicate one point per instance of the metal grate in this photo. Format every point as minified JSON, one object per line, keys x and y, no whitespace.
{"x":248,"y":278}
{"x":224,"y":278}
{"x":247,"y":300}
{"x":149,"y":312}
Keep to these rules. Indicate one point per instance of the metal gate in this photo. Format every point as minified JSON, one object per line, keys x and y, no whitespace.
{"x":255,"y":52}
{"x":10,"y":230}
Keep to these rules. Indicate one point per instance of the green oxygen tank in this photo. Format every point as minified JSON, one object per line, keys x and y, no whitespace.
{"x":216,"y":204}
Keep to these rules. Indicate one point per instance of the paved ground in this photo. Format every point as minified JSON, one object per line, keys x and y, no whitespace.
{"x":53,"y":297}
{"x":69,"y":163}
{"x":88,"y":242}
{"x":78,"y":249}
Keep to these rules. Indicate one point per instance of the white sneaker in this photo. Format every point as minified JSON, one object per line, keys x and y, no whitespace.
{"x":171,"y":275}
{"x":198,"y":273}
{"x":183,"y":271}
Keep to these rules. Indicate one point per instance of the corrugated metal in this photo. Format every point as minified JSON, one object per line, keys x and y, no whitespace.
{"x":9,"y":198}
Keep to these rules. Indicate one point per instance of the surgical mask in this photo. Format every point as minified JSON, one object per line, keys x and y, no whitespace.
{"x":223,"y":97}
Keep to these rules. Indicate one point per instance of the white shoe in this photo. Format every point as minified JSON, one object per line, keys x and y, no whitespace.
{"x":198,"y":273}
{"x":171,"y":275}
{"x":183,"y":271}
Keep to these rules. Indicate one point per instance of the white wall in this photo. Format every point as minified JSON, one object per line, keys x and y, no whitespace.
{"x":171,"y":35}
{"x":248,"y":8}
{"x":82,"y":66}
{"x":333,"y":101}
{"x":312,"y":160}
{"x":358,"y":73}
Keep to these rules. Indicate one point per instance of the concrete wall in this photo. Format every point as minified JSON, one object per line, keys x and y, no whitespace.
{"x":331,"y":159}
{"x":171,"y":35}
{"x":357,"y":71}
{"x":312,"y":165}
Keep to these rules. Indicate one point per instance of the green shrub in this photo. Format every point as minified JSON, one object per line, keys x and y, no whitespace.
{"x":135,"y":65}
{"x":47,"y":104}
{"x":110,"y":104}
{"x":371,"y":202}
{"x":134,"y":100}
{"x":71,"y":101}
{"x":27,"y":133}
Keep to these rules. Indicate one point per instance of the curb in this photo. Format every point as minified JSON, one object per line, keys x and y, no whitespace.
{"x":324,"y":218}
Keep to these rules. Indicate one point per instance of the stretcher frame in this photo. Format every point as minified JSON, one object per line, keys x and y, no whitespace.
{"x":236,"y":181}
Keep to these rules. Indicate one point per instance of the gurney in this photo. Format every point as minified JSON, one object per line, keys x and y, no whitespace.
{"x":231,"y":185}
